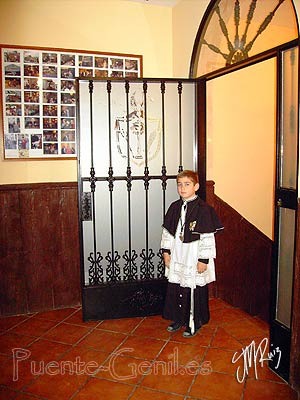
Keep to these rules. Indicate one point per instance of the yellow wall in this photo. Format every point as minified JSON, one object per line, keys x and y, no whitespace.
{"x":187,"y":15}
{"x":96,"y":25}
{"x":241,"y":141}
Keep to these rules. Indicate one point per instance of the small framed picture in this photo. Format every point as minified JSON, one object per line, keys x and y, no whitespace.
{"x":31,"y":83}
{"x":13,"y":109}
{"x":31,"y":57}
{"x":32,"y":109}
{"x":12,"y":70}
{"x":31,"y":70}
{"x":13,"y":96}
{"x":49,"y":58}
{"x":49,"y":71}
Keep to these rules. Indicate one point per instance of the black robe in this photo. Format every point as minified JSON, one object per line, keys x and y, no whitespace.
{"x":200,"y":218}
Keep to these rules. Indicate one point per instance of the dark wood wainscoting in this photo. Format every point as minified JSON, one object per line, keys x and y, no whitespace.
{"x":39,"y":247}
{"x":295,"y":344}
{"x":244,"y":260}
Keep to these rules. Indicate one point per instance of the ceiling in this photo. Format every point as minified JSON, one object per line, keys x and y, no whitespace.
{"x":165,"y":3}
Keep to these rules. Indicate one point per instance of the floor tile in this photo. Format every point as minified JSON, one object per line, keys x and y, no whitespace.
{"x":125,"y":325}
{"x":47,"y":351}
{"x":56,"y":315}
{"x":66,"y":333}
{"x":221,"y":361}
{"x":142,"y":393}
{"x":103,"y":340}
{"x":265,"y":390}
{"x":5,"y":357}
{"x":154,"y":328}
{"x":9,"y":322}
{"x":55,"y":385}
{"x":215,"y":303}
{"x":224,"y":340}
{"x":221,"y":316}
{"x":124,"y":369}
{"x":83,"y":360}
{"x":16,"y":375}
{"x":143,"y":347}
{"x":25,"y":396}
{"x":216,"y":386}
{"x":76,"y":319}
{"x":263,"y":372}
{"x":33,"y":327}
{"x":102,"y":389}
{"x":177,"y":382}
{"x":182,"y":354}
{"x":262,"y":325}
{"x":202,"y":338}
{"x":244,"y":328}
{"x":256,"y":342}
{"x":7,"y":393}
{"x":10,"y":341}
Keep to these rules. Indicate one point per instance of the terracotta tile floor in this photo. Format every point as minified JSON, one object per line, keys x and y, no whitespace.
{"x":54,"y":355}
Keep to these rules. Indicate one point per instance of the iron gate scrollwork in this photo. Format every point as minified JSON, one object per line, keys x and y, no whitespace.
{"x":134,"y":137}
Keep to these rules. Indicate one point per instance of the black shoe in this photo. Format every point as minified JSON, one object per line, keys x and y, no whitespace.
{"x":175,"y":326}
{"x":188,"y":333}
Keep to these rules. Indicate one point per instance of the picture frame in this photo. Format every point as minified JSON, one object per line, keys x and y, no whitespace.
{"x":38,"y":96}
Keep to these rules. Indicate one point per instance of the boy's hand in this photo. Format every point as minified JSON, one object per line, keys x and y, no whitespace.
{"x":201,"y":267}
{"x":167,"y":259}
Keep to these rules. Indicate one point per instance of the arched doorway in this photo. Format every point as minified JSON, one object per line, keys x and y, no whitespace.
{"x":246,"y":57}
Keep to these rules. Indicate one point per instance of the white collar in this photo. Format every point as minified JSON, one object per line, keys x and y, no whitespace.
{"x":188,"y":200}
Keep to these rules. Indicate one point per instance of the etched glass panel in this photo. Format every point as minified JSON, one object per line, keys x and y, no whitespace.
{"x":285,"y":266}
{"x":236,"y":30}
{"x":289,"y":125}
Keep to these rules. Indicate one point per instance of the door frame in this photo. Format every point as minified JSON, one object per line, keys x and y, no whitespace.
{"x":280,"y":335}
{"x":292,"y":362}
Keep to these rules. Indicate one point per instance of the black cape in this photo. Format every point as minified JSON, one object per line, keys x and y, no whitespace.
{"x":200,"y":218}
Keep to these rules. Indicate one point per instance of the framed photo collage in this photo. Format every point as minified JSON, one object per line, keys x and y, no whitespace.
{"x":39,"y":98}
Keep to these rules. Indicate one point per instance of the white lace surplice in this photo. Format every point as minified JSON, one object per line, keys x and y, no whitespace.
{"x":184,"y":257}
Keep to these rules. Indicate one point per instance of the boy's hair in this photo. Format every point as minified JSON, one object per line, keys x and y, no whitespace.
{"x":193,"y":176}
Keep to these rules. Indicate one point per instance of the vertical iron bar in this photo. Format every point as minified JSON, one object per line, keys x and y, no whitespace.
{"x":108,"y":89}
{"x":91,"y":90}
{"x":180,"y":168}
{"x":92,"y":169}
{"x":164,"y":168}
{"x":129,"y":179}
{"x":111,"y":183}
{"x":146,"y":178}
{"x":93,"y":183}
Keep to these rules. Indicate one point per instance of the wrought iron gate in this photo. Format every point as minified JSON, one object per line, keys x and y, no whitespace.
{"x":134,"y":137}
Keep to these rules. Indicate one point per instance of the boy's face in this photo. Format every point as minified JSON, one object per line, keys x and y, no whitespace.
{"x":186,"y":188}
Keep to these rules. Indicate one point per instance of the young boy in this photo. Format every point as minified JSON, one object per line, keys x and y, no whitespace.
{"x":188,"y":246}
